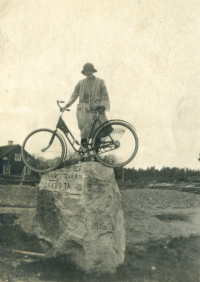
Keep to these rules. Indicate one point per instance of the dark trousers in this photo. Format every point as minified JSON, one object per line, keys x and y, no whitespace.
{"x":83,"y":141}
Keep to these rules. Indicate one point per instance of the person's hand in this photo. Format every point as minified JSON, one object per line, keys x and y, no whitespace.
{"x":62,"y":109}
{"x":103,"y":108}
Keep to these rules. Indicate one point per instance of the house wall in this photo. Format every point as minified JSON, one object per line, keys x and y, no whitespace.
{"x":1,"y":165}
{"x":16,"y":166}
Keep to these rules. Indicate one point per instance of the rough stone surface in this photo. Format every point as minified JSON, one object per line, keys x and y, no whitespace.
{"x":79,"y":214}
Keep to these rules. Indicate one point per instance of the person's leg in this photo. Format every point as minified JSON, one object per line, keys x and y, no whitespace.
{"x":97,"y":144}
{"x":83,"y":141}
{"x":83,"y":144}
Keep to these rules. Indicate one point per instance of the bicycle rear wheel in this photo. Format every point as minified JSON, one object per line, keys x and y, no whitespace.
{"x":34,"y":154}
{"x":116,"y":143}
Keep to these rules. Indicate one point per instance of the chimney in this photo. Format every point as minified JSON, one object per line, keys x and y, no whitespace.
{"x":10,"y":142}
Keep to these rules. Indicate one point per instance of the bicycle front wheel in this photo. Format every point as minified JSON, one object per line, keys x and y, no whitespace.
{"x":43,"y":150}
{"x":115,"y":143}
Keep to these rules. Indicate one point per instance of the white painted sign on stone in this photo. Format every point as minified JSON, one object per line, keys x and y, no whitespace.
{"x":68,"y":183}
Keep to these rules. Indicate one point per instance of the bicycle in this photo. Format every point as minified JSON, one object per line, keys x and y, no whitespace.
{"x":113,"y":143}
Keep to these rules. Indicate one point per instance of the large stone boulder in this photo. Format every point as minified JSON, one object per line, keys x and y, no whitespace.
{"x":79,"y":214}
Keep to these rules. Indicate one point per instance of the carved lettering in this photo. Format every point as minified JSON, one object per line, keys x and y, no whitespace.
{"x":79,"y":186}
{"x":69,"y":184}
{"x":99,"y":226}
{"x":72,"y":176}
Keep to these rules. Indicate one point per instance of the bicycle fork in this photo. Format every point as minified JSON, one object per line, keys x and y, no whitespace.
{"x":50,"y":142}
{"x":62,"y":126}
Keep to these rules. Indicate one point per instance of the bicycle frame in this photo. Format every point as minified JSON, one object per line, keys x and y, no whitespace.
{"x":67,"y":133}
{"x":99,"y":141}
{"x":61,"y":125}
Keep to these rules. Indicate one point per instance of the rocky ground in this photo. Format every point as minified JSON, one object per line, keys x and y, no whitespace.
{"x":162,"y":243}
{"x":145,"y":199}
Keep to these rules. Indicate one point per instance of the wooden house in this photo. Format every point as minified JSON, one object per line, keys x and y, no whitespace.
{"x":12,"y":165}
{"x":11,"y":160}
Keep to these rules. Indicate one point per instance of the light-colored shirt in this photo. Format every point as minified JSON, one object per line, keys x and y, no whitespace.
{"x":92,"y":93}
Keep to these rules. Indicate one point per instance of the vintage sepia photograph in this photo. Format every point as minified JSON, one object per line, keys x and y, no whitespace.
{"x":100,"y":141}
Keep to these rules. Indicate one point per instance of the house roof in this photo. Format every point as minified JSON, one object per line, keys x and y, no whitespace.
{"x":6,"y":149}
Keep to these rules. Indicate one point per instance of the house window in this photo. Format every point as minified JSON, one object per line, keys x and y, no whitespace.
{"x":6,"y":169}
{"x":17,"y":157}
{"x":27,"y":171}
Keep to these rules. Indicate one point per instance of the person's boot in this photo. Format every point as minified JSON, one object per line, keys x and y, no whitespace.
{"x":98,"y":142}
{"x":84,"y":142}
{"x":84,"y":145}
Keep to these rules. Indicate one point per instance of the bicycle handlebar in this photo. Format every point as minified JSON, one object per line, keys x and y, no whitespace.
{"x":58,"y":102}
{"x":97,"y":109}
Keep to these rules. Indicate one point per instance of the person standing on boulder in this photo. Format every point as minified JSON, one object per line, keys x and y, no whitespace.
{"x":92,"y":93}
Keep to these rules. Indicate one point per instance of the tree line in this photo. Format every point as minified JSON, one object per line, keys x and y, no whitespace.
{"x":153,"y":173}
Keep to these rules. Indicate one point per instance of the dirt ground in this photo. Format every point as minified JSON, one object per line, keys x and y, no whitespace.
{"x":162,"y":243}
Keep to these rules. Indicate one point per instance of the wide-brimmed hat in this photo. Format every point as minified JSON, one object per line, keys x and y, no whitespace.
{"x":88,"y":67}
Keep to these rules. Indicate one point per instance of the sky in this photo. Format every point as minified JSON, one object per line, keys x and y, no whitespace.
{"x":147,"y":52}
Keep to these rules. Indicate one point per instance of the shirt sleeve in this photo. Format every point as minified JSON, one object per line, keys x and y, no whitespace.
{"x":74,"y":96}
{"x":104,"y":96}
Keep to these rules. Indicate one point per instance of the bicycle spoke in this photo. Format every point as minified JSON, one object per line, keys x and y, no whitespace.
{"x":117,"y":148}
{"x":33,"y":155}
